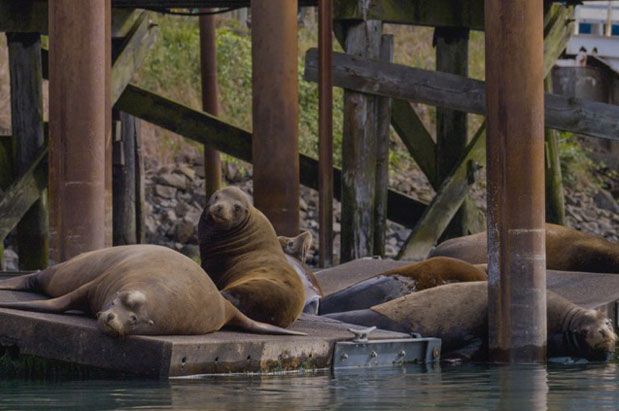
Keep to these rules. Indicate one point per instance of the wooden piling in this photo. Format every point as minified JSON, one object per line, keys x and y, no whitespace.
{"x":79,"y":95}
{"x":555,"y":199}
{"x":210,"y":103}
{"x":275,"y":146}
{"x":515,"y":158}
{"x":451,"y":125}
{"x":359,"y":150}
{"x":27,"y":124}
{"x":383,"y":123}
{"x":325,"y":133}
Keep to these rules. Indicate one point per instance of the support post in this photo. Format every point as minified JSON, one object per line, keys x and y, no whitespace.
{"x":79,"y":95}
{"x":383,"y":123}
{"x":125,"y":169}
{"x":555,"y":200}
{"x":515,"y":159}
{"x":325,"y":133}
{"x":452,"y":56}
{"x":210,"y":104}
{"x":275,"y":112}
{"x":27,"y":125}
{"x":359,"y":150}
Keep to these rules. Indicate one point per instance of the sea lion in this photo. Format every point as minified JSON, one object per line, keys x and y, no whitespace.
{"x":240,"y":251}
{"x":296,"y":249}
{"x":566,"y":250}
{"x":401,"y":281}
{"x":135,"y":289}
{"x":458,"y":314}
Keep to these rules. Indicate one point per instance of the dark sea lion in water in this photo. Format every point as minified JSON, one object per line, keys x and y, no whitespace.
{"x":458,"y":314}
{"x":296,"y":249}
{"x":401,"y":281}
{"x":240,"y":251}
{"x":135,"y":289}
{"x":566,"y":250}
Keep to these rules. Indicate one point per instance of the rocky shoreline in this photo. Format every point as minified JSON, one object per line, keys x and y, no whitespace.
{"x":175,"y":198}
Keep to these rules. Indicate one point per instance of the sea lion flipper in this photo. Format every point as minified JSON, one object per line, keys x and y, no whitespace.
{"x":240,"y":320}
{"x":71,"y":301}
{"x":20,"y":283}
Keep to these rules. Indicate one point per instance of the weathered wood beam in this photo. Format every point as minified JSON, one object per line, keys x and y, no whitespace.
{"x":415,"y":137}
{"x":459,"y":93}
{"x":447,"y":201}
{"x":27,"y":126}
{"x":445,"y":13}
{"x":362,"y":38}
{"x":132,"y":53}
{"x":20,"y":196}
{"x":30,"y":16}
{"x":236,"y":142}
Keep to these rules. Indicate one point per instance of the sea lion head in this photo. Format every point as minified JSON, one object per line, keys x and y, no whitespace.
{"x":125,"y":314}
{"x":298,"y":246}
{"x":593,"y":334}
{"x":227,"y":209}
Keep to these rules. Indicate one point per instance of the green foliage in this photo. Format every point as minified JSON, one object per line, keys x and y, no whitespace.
{"x":576,"y":165}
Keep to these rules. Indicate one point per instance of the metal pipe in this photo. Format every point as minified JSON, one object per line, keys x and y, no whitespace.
{"x":78,"y":82}
{"x":275,"y":112}
{"x":325,"y":133}
{"x":515,"y":153}
{"x":210,"y":104}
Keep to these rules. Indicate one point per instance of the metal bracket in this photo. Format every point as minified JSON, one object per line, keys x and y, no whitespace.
{"x":362,"y":334}
{"x":361,"y":353}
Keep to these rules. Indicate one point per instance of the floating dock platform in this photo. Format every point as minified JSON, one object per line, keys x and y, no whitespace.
{"x":75,"y":339}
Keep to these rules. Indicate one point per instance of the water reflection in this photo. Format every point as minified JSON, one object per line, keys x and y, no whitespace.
{"x":470,"y":387}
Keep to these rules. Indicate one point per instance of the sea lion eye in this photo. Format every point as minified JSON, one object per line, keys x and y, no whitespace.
{"x":133,"y":318}
{"x":237,"y":207}
{"x":290,"y":244}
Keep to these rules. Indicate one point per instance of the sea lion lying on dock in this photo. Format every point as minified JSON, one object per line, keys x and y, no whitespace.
{"x":240,"y":251}
{"x":135,"y":289}
{"x":458,"y":314}
{"x":566,"y":250}
{"x":401,"y":281}
{"x":296,"y":249}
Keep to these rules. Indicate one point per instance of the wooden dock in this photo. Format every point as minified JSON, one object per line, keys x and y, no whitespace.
{"x":75,"y":339}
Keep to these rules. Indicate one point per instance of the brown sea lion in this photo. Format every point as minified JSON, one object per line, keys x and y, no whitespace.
{"x":401,"y":281}
{"x":566,"y":250}
{"x":458,"y":314}
{"x":135,"y":289}
{"x":240,"y":251}
{"x":296,"y":249}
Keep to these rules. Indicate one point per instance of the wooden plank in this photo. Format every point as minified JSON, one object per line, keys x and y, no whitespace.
{"x":459,"y":93}
{"x":359,"y":151}
{"x":234,"y":141}
{"x":447,"y":201}
{"x":415,"y":137}
{"x":27,"y":126}
{"x":20,"y":196}
{"x":445,"y":13}
{"x":452,"y":56}
{"x":132,"y":53}
{"x":383,"y":122}
{"x":30,"y":16}
{"x":77,"y":339}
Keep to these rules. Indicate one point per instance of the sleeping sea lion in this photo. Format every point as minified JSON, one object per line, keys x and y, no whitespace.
{"x":296,"y":249}
{"x":135,"y":289}
{"x":458,"y":314}
{"x":566,"y":250}
{"x":240,"y":251}
{"x":401,"y":281}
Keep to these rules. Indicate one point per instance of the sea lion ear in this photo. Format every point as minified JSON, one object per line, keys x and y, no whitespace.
{"x":134,"y":299}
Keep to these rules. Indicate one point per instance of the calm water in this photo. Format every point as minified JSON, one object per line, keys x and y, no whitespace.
{"x":585,"y":387}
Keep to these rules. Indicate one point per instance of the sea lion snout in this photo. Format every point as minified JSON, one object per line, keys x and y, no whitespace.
{"x":125,"y":315}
